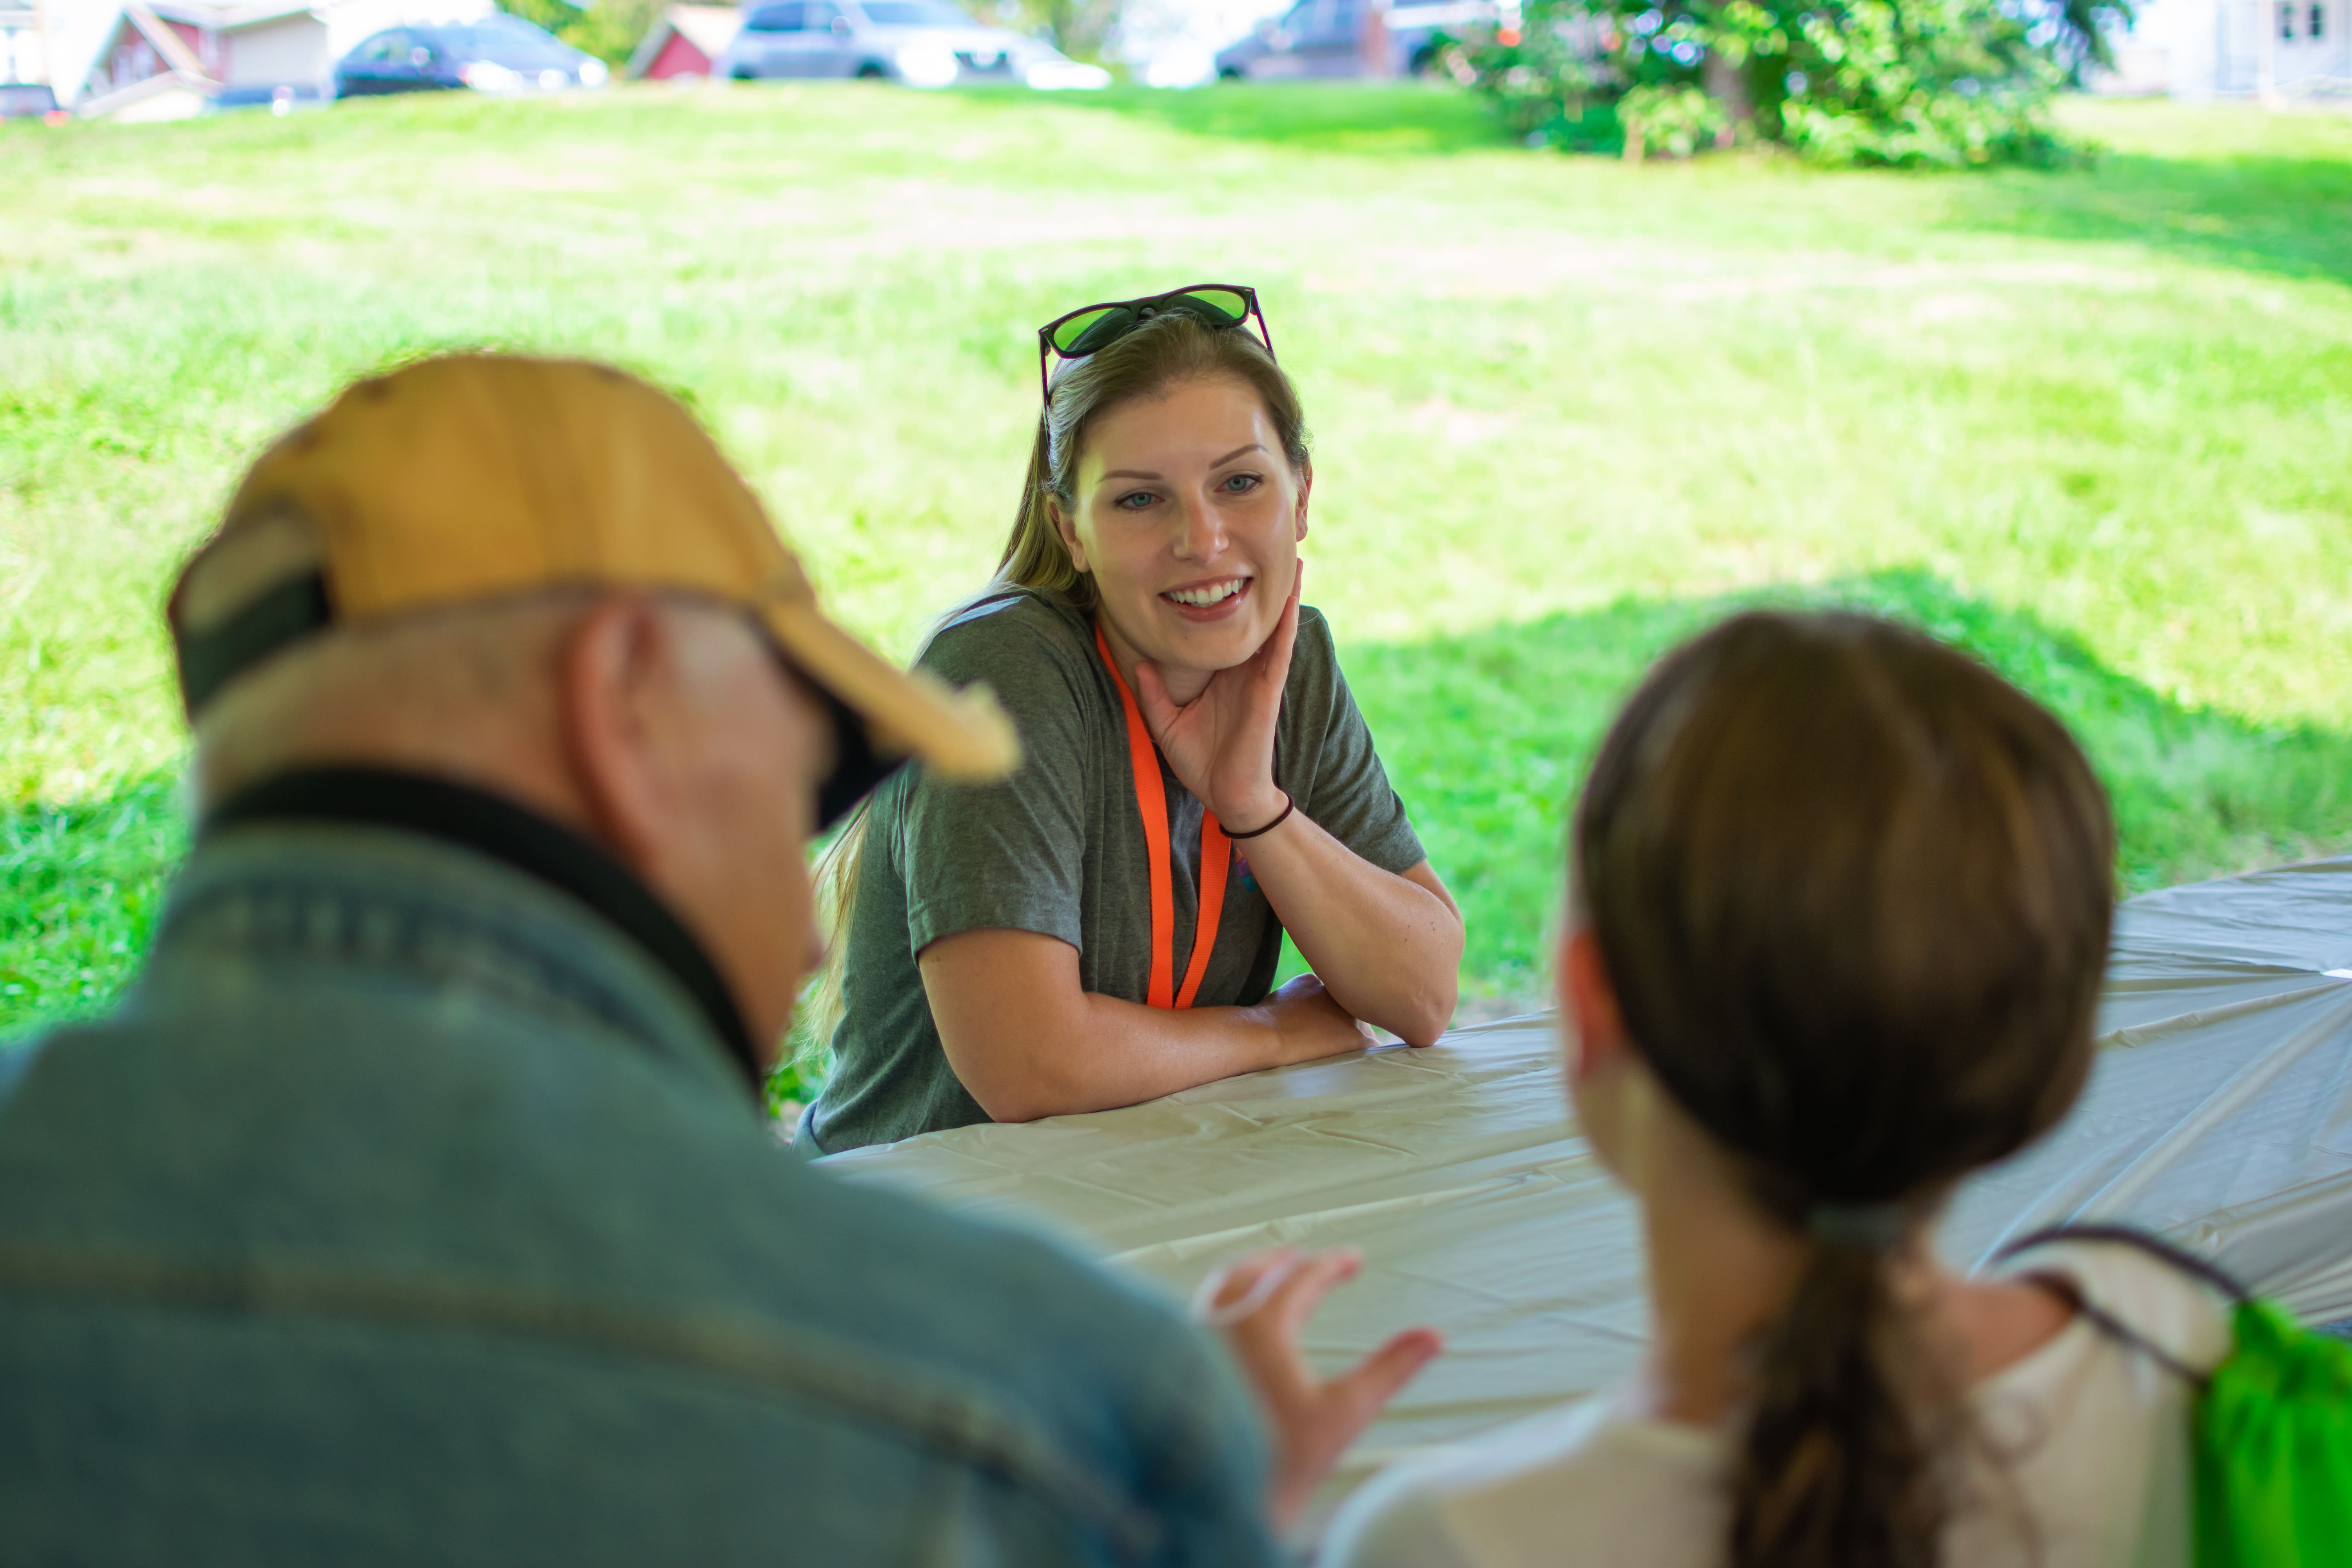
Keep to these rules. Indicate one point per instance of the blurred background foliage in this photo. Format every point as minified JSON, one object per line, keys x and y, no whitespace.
{"x":609,"y":29}
{"x":1920,"y":82}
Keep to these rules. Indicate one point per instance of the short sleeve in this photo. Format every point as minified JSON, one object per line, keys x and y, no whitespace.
{"x":1348,"y":794}
{"x":1008,"y":855}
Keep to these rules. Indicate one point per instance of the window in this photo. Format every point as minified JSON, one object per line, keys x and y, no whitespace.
{"x":2318,"y":21}
{"x":386,"y":47}
{"x":776,"y":19}
{"x":822,"y":17}
{"x":915,"y":14}
{"x":2286,"y":20}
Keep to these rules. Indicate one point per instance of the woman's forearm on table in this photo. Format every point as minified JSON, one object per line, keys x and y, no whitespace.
{"x":1388,"y":947}
{"x":1027,"y":1041}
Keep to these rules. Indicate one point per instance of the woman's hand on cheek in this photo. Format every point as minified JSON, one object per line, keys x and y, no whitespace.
{"x":1222,"y":742}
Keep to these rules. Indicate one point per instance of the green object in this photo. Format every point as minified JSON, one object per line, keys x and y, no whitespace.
{"x":2272,"y":1448}
{"x":1090,"y":329}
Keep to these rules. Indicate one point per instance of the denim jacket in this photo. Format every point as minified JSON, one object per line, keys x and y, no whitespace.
{"x":414,"y":1207}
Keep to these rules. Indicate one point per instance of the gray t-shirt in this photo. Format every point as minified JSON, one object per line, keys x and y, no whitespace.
{"x":1059,"y":849}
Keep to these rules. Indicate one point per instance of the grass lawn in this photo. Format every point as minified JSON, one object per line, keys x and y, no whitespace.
{"x":2097,"y":425}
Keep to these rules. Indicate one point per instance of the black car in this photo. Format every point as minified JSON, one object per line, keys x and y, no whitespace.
{"x":498,"y":54}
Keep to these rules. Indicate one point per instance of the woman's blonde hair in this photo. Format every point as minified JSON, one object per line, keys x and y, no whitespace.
{"x":1156,"y":355}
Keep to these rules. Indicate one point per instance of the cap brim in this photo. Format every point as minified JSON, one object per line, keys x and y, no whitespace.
{"x":960,"y":735}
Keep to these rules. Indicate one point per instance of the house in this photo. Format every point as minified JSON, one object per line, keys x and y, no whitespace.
{"x":684,"y":42}
{"x":167,"y":59}
{"x":2267,"y":49}
{"x":24,"y":45}
{"x":151,"y":68}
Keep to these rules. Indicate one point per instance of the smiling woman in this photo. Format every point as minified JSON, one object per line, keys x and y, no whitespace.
{"x":1103,"y":928}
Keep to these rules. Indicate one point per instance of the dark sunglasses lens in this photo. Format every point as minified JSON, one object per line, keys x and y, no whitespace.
{"x":1091,"y":330}
{"x":1228,"y":306}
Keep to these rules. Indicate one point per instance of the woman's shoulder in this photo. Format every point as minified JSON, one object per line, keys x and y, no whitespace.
{"x":1315,"y":678}
{"x":1007,"y":631}
{"x":1589,"y":1483}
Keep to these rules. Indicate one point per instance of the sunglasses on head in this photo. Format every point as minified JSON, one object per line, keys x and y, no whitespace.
{"x":1091,"y":329}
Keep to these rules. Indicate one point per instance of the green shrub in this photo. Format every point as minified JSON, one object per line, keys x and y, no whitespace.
{"x":1938,"y":83}
{"x":609,"y":29}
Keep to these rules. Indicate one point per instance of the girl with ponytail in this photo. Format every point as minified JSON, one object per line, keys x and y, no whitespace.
{"x":1839,"y":907}
{"x":1103,"y":928}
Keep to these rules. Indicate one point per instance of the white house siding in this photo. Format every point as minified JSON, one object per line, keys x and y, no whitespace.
{"x":24,"y":50}
{"x":168,"y":98}
{"x":2224,"y":49}
{"x":289,"y":50}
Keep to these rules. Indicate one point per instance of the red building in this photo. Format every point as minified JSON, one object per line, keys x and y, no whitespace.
{"x":684,"y":42}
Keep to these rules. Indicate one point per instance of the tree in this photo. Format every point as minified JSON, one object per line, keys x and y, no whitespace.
{"x":609,"y":29}
{"x":1950,"y":82}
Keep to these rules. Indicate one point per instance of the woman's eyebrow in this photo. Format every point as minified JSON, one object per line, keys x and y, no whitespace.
{"x":1221,"y":462}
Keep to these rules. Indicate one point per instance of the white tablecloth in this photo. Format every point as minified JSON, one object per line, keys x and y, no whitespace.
{"x":2220,"y":1112}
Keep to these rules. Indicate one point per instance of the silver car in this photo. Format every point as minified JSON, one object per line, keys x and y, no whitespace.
{"x":1352,"y":38}
{"x":923,"y":43}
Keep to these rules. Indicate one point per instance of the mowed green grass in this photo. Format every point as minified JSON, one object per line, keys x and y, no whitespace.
{"x":2097,"y":425}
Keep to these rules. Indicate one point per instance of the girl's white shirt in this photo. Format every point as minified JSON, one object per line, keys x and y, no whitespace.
{"x":2092,"y":1439}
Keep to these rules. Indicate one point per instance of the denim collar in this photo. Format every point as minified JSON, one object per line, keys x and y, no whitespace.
{"x":489,"y":825}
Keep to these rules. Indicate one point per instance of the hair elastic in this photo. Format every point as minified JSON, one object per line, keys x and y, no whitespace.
{"x":1880,"y":1227}
{"x":1289,"y":804}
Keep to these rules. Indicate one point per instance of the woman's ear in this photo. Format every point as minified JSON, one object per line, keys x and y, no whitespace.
{"x":1067,"y":529}
{"x":1306,"y":486}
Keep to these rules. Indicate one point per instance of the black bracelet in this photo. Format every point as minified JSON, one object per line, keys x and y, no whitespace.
{"x":1289,"y":804}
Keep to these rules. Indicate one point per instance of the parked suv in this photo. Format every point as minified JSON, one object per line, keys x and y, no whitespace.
{"x":1351,"y":37}
{"x":924,"y":43}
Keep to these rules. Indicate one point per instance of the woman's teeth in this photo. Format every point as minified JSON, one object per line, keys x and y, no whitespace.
{"x":1208,"y":594}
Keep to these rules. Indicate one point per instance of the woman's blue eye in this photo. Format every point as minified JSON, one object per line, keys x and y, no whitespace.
{"x":1134,"y":501}
{"x":1240,"y":482}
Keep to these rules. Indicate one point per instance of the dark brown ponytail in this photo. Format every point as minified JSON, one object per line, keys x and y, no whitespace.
{"x":1852,"y":891}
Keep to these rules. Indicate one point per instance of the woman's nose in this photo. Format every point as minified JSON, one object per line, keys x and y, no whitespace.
{"x":1202,"y":532}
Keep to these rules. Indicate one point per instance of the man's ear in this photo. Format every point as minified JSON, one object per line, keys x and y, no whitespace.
{"x":1068,"y":530}
{"x":612,"y":664}
{"x":1596,"y":1033}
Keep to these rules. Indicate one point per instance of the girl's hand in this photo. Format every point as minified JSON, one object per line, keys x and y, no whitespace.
{"x":1222,"y":742}
{"x":1260,"y":1303}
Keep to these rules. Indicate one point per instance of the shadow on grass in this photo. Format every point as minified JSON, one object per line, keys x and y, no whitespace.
{"x":1488,"y":737}
{"x":1407,"y":119}
{"x":1485,"y":735}
{"x":2286,"y":215}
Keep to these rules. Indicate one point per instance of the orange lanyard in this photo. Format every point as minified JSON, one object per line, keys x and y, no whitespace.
{"x":1216,"y":855}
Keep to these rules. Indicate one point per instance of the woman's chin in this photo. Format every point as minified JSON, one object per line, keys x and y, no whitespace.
{"x":1218,"y":645}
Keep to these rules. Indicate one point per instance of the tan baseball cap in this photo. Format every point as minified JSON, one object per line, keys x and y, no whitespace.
{"x":475,"y":476}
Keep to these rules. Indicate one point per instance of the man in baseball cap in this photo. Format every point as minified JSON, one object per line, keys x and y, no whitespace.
{"x":419,"y":1205}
